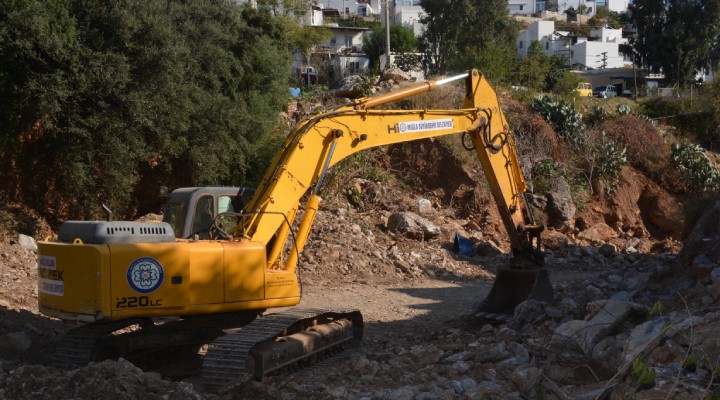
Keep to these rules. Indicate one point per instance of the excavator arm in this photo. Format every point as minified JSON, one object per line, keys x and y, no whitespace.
{"x":322,"y":141}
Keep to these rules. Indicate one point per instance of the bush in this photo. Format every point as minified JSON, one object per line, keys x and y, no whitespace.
{"x":694,"y":169}
{"x":597,"y":115}
{"x":562,"y":117}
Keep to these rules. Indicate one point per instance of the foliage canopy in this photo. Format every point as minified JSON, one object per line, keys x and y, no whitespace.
{"x":402,"y":40}
{"x":107,"y":101}
{"x":676,"y":37}
{"x":465,"y":34}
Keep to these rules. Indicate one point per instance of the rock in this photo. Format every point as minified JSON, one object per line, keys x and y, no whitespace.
{"x":462,"y":356}
{"x":662,"y":210}
{"x":426,"y":355}
{"x":412,"y":225}
{"x":461,"y":367}
{"x":620,"y":296}
{"x":554,"y":240}
{"x":702,"y":266}
{"x":703,"y":238}
{"x":599,"y":390}
{"x":489,"y":387}
{"x":577,"y":338}
{"x":568,"y":305}
{"x":403,"y":393}
{"x":608,"y":249}
{"x":528,"y":311}
{"x":486,"y":248}
{"x":424,"y":206}
{"x":599,"y":232}
{"x":560,"y":206}
{"x":644,"y":338}
{"x":526,"y":378}
{"x":715,"y":276}
{"x":27,"y":242}
{"x":494,"y":354}
{"x":537,"y":200}
{"x":395,"y":74}
{"x":19,"y":340}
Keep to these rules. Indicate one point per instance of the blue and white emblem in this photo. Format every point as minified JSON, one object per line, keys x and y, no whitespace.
{"x":145,"y":275}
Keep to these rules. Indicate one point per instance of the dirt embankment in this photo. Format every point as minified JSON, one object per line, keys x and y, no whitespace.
{"x":627,"y":318}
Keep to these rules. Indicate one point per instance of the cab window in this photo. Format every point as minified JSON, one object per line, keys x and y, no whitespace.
{"x":174,"y":214}
{"x":203,"y":217}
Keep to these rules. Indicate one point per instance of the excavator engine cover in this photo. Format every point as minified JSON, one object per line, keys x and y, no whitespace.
{"x":512,"y":287}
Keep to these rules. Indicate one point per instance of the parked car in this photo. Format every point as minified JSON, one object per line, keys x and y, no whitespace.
{"x":584,"y":89}
{"x":605,"y":92}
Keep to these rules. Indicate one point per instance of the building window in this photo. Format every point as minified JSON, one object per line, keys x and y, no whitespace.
{"x":333,"y":40}
{"x":520,"y":45}
{"x":348,"y":41}
{"x":521,"y":7}
{"x":354,"y":67}
{"x":547,"y":45}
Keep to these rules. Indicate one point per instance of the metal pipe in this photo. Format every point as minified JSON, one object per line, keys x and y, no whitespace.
{"x":405,"y":93}
{"x":303,"y":232}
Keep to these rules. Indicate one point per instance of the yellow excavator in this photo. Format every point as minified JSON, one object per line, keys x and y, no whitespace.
{"x":140,"y":288}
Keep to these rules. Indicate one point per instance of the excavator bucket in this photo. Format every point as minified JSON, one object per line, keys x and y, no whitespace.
{"x":512,"y":287}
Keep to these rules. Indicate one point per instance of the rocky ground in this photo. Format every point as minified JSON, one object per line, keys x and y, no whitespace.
{"x":623,"y":323}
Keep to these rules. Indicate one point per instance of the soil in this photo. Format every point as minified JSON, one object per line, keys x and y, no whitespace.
{"x":421,"y":341}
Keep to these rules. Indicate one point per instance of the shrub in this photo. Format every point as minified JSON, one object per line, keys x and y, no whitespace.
{"x":623,"y":109}
{"x":562,"y":117}
{"x":597,"y":115}
{"x":646,"y":146}
{"x":693,"y":168}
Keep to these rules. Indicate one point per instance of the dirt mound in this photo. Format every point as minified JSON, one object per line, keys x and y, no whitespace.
{"x":112,"y":380}
{"x":638,"y":208}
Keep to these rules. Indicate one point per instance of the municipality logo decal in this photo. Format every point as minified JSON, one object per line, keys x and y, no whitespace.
{"x":145,"y":275}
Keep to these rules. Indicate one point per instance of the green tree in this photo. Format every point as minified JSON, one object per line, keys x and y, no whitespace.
{"x":533,"y":69}
{"x":463,"y":34}
{"x":603,"y":16}
{"x":677,"y":37}
{"x":106,"y":101}
{"x":402,"y":40}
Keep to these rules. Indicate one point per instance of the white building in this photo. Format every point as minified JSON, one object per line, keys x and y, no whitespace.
{"x":551,"y":42}
{"x":564,"y":5}
{"x":406,"y":13}
{"x":345,"y":39}
{"x":522,"y":7}
{"x":600,"y":50}
{"x":619,"y":6}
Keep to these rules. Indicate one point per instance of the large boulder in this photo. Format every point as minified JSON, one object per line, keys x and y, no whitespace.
{"x":560,"y":206}
{"x":412,"y":225}
{"x":395,"y":74}
{"x":596,"y":233}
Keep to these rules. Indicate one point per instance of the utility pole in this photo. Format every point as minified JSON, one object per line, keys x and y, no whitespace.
{"x":387,"y":34}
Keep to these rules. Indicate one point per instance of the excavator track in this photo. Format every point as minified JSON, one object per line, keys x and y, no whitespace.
{"x":279,"y":340}
{"x":78,"y":347}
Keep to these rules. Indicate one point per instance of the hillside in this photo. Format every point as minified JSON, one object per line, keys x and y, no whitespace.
{"x":635,"y":310}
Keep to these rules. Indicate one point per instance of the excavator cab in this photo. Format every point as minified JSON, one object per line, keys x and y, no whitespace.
{"x":192,"y":211}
